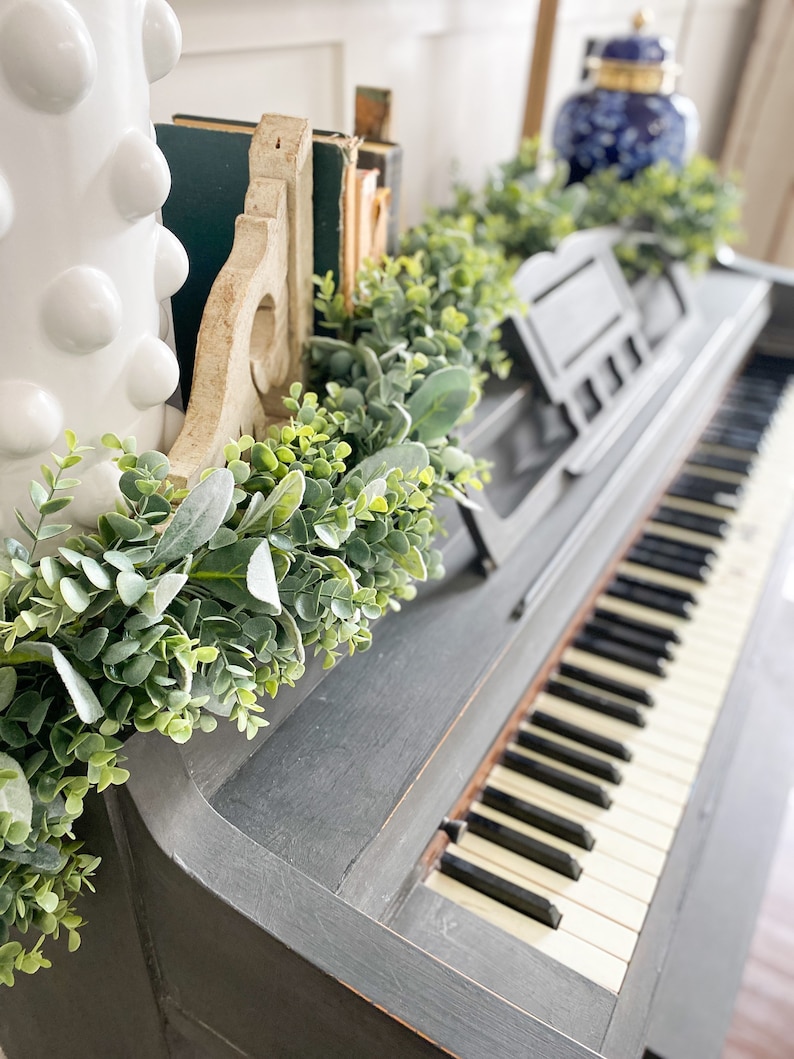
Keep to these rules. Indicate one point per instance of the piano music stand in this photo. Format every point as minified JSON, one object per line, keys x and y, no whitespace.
{"x":584,"y":348}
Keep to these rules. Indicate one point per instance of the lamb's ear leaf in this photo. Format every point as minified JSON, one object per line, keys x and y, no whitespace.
{"x":15,"y":797}
{"x":88,"y":707}
{"x":407,"y":457}
{"x":197,"y":518}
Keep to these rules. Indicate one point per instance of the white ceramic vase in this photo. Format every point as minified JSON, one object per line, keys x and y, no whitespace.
{"x":85,"y":263}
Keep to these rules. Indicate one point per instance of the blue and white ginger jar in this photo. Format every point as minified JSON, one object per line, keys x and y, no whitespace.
{"x":628,"y":116}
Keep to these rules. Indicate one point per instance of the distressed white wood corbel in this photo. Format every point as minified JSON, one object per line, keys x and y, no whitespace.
{"x":259,"y":312}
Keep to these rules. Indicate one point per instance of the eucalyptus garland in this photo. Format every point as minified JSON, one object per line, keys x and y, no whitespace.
{"x":184,"y":607}
{"x":527,"y":206}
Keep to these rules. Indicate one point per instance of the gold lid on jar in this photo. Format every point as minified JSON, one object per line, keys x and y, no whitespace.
{"x":620,"y":75}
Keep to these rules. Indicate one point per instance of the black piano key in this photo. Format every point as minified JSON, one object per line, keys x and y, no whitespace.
{"x":720,"y":463}
{"x":658,"y":631}
{"x":666,"y":563}
{"x":593,"y":793}
{"x":604,"y":647}
{"x":706,"y":486}
{"x":577,"y":759}
{"x":577,"y":734}
{"x":615,"y":687}
{"x":507,"y":893}
{"x":743,"y":418}
{"x":673,"y":516}
{"x":668,"y":590}
{"x":691,"y":553}
{"x":654,"y":644}
{"x":536,"y":816}
{"x":706,"y":490}
{"x":599,"y":703}
{"x":657,"y":598}
{"x":744,"y":440}
{"x":525,"y":846}
{"x":755,"y":410}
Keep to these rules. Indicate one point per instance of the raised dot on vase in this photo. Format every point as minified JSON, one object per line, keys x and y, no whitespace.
{"x":153,"y":373}
{"x":162,"y":39}
{"x":140,"y":179}
{"x":98,"y":492}
{"x":82,"y":311}
{"x":6,"y":207}
{"x":170,"y":264}
{"x":31,"y":421}
{"x":47,"y":55}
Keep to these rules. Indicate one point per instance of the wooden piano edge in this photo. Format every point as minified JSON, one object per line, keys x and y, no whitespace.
{"x":344,"y":959}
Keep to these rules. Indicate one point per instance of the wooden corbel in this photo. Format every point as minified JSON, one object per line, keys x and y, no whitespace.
{"x":258,"y":315}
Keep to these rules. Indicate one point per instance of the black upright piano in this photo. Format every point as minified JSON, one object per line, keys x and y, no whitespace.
{"x":327,"y":890}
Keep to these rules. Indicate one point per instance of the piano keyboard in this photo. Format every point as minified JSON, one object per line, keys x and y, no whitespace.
{"x":569,"y":835}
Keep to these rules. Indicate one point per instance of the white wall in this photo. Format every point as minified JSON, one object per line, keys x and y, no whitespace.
{"x":458,"y":68}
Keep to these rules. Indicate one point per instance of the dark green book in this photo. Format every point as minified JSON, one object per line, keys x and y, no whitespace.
{"x":208,"y":160}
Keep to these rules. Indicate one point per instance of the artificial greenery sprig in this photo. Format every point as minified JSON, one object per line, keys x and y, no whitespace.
{"x":408,"y":362}
{"x":686,"y":214}
{"x":668,"y":214}
{"x":177,"y":610}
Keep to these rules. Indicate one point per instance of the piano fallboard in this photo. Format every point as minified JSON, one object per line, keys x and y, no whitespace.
{"x":278,"y":886}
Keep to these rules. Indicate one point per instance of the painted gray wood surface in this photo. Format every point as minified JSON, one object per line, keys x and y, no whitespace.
{"x":314,"y":838}
{"x":276,"y":880}
{"x":385,"y":744}
{"x":98,"y":1001}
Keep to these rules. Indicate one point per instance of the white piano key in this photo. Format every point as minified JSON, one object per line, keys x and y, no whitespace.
{"x":591,"y":962}
{"x":671,"y":742}
{"x":633,"y":835}
{"x":619,"y":818}
{"x":593,"y":912}
{"x":633,"y":774}
{"x":666,"y":809}
{"x":619,"y":874}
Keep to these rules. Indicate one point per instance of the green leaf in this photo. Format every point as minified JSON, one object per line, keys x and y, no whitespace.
{"x":89,"y":646}
{"x":74,"y":595}
{"x":198,"y":517}
{"x":166,"y":589}
{"x":96,"y":573}
{"x":15,"y":796}
{"x":131,"y":586}
{"x":136,"y":671}
{"x":224,"y":571}
{"x":283,"y":501}
{"x":340,"y":570}
{"x":87,"y":705}
{"x":38,"y":494}
{"x":410,"y":456}
{"x":155,"y":463}
{"x":47,"y":900}
{"x":327,"y":534}
{"x":126,"y":528}
{"x":48,"y":532}
{"x":120,"y":651}
{"x":413,"y":562}
{"x":439,"y":402}
{"x":44,"y":858}
{"x":287,"y":623}
{"x":8,"y":685}
{"x":260,"y":578}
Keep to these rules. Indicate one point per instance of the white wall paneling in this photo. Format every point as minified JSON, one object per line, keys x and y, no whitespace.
{"x":458,"y":68}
